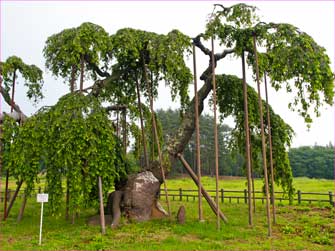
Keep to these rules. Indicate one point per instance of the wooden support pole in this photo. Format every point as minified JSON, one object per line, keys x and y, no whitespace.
{"x":260,"y":107}
{"x":144,"y":141}
{"x":11,"y":203}
{"x":270,"y":149}
{"x":208,"y":198}
{"x":67,"y":199}
{"x":5,"y":197}
{"x":117,"y":124}
{"x":160,"y":156}
{"x":247,"y":139}
{"x":216,"y":144}
{"x":197,"y":133}
{"x":161,"y":162}
{"x":7,"y":172}
{"x":23,"y":206}
{"x":82,"y":69}
{"x":102,"y":213}
{"x":124,"y":129}
{"x":252,"y":177}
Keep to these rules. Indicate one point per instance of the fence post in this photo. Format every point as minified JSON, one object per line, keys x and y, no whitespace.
{"x":222,"y":195}
{"x":39,"y":190}
{"x":331,"y":201}
{"x":299,"y":197}
{"x":180,"y":194}
{"x":245,"y":196}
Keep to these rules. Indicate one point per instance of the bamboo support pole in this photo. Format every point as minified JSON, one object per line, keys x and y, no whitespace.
{"x":208,"y":198}
{"x":144,"y":141}
{"x":252,"y":179}
{"x":260,"y":106}
{"x":23,"y":206}
{"x":101,"y":202}
{"x":197,"y":134}
{"x":124,"y":129}
{"x":7,"y":172}
{"x":215,"y":138}
{"x":247,"y":139}
{"x":270,"y":149}
{"x":156,"y":138}
{"x":11,"y":203}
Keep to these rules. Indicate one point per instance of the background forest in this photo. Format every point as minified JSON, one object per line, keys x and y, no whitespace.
{"x":306,"y":161}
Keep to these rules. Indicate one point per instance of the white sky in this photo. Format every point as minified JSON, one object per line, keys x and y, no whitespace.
{"x":26,"y":25}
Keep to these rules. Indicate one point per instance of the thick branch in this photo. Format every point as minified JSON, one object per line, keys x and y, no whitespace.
{"x":182,"y":137}
{"x":100,"y":85}
{"x":14,"y":115}
{"x":116,"y":108}
{"x":177,"y":143}
{"x":218,"y":56}
{"x":95,"y":68}
{"x":18,"y":114}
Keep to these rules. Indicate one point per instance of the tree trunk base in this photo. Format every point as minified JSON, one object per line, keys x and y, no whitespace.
{"x":137,"y":201}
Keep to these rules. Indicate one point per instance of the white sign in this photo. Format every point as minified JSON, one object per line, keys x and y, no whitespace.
{"x":42,"y":197}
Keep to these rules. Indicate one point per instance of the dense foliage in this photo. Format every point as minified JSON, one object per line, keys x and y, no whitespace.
{"x":73,"y":139}
{"x":292,"y":58}
{"x":148,"y":58}
{"x":68,"y":52}
{"x":313,"y":161}
{"x":32,"y":75}
{"x":230,"y":100}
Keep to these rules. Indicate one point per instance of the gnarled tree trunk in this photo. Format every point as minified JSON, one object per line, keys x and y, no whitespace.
{"x":138,"y":198}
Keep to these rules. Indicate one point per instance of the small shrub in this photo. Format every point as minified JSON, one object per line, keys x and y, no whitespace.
{"x":288,"y":229}
{"x":323,"y":240}
{"x":303,"y":209}
{"x":309,"y":231}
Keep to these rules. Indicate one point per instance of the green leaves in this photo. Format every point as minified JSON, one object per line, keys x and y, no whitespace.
{"x":292,"y":58}
{"x":161,"y":55}
{"x":73,"y":139}
{"x":230,"y":101}
{"x":64,"y":50}
{"x":32,"y":75}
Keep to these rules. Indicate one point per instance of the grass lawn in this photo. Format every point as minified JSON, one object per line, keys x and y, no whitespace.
{"x":303,"y":227}
{"x":239,"y":183}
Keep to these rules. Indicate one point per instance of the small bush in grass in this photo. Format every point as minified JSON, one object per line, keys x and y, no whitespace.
{"x":323,"y":240}
{"x":288,"y":229}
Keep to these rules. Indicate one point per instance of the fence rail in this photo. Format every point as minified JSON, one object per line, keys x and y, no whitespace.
{"x":226,"y":195}
{"x":242,"y":196}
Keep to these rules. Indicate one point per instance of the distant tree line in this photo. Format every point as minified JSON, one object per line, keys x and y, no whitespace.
{"x":307,"y":161}
{"x":313,"y":161}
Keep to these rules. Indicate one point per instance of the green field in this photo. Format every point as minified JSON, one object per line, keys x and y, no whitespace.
{"x":308,"y":227}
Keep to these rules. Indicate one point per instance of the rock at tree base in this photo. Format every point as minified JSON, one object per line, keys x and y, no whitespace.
{"x":181,"y":215}
{"x":140,"y":197}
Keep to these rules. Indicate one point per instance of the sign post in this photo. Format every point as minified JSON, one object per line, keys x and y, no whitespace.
{"x":42,"y":197}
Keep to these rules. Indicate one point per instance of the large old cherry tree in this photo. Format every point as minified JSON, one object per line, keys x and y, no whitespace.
{"x":76,"y":138}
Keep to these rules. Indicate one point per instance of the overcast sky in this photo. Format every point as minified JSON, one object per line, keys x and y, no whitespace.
{"x":26,"y":25}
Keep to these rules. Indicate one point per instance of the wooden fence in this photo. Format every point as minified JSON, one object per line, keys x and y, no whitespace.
{"x":231,"y":196}
{"x":241,"y":196}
